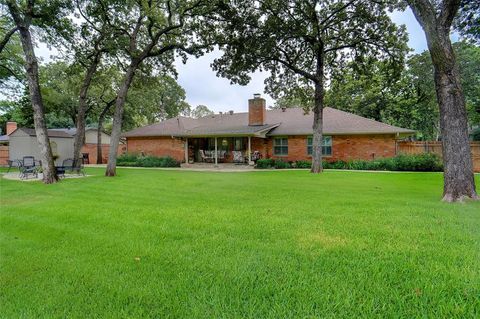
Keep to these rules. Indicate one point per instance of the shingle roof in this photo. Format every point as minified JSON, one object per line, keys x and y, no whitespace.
{"x":51,"y":133}
{"x":292,"y":121}
{"x":72,"y":130}
{"x":335,"y":122}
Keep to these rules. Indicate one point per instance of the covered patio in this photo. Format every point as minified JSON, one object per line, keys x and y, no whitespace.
{"x":233,"y":145}
{"x":223,"y":149}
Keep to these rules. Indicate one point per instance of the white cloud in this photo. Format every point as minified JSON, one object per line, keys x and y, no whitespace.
{"x":204,"y":87}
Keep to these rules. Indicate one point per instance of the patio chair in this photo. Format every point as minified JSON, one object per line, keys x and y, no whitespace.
{"x":204,"y":157}
{"x":256,"y":156}
{"x":14,"y":163}
{"x":221,"y":155}
{"x":28,"y":166}
{"x":238,"y":157}
{"x":86,"y":159}
{"x":28,"y":161}
{"x":70,"y":165}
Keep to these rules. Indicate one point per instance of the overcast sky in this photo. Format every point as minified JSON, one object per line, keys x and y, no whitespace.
{"x":203,"y":87}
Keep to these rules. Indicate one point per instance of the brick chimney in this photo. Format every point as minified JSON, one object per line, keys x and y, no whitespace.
{"x":257,"y":113}
{"x":11,"y":127}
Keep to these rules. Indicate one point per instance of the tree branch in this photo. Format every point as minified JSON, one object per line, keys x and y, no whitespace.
{"x":448,"y":12}
{"x":7,"y":37}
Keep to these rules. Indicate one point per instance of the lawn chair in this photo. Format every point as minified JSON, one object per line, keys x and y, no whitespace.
{"x":28,"y":166}
{"x":256,"y":156}
{"x":238,"y":157}
{"x":86,"y":159}
{"x":14,"y":163}
{"x":204,"y":157}
{"x":222,"y":155}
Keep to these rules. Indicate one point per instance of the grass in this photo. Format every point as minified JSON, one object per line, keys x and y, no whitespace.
{"x":178,"y":244}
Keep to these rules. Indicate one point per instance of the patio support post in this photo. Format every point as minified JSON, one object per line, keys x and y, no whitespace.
{"x":216,"y":155}
{"x":186,"y":150}
{"x":249,"y":150}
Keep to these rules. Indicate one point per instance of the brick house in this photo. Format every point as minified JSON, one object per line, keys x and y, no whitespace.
{"x":279,"y":134}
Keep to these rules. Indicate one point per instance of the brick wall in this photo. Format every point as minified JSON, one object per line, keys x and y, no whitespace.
{"x":91,"y":149}
{"x":344,"y":147}
{"x":157,"y":146}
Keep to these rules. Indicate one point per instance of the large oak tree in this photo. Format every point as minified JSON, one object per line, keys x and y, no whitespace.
{"x":46,"y":15}
{"x":150,"y":33}
{"x":301,"y":42}
{"x":436,"y":18}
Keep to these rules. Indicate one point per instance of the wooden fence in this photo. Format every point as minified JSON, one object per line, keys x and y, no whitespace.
{"x":436,"y":147}
{"x":3,"y":155}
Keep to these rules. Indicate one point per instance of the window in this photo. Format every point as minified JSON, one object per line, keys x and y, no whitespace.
{"x":238,"y":144}
{"x":280,"y":146}
{"x":326,"y":146}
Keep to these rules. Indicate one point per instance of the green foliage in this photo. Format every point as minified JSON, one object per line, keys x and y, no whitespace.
{"x":476,"y":134}
{"x":302,"y":164}
{"x":427,"y":162}
{"x":280,"y":164}
{"x":265,"y":163}
{"x":407,"y":99}
{"x":300,"y":43}
{"x":156,"y":98}
{"x":11,"y":60}
{"x":200,"y":111}
{"x":136,"y":160}
{"x":467,"y":21}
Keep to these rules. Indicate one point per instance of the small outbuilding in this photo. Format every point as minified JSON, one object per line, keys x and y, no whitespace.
{"x":23,"y":142}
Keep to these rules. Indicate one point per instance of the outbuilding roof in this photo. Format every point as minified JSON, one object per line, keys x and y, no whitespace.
{"x":290,"y":121}
{"x":51,"y":133}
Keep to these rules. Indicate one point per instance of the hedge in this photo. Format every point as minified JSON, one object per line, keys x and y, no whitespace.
{"x":137,"y":160}
{"x":427,"y":162}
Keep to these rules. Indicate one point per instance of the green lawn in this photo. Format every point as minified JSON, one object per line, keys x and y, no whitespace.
{"x":179,"y":244}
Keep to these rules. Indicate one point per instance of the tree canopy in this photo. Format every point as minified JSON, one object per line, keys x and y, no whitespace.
{"x":409,"y":99}
{"x":302,"y":44}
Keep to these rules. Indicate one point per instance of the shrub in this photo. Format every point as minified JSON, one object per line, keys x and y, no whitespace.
{"x":127,"y":158}
{"x":303,"y":164}
{"x":279,"y":164}
{"x":476,"y":134}
{"x":427,"y":162}
{"x":136,"y":160}
{"x":265,"y":163}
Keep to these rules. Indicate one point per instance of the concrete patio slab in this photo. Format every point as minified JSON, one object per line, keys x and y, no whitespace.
{"x":16,"y":177}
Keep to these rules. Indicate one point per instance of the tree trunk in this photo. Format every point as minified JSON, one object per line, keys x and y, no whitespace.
{"x":101,"y":119}
{"x":458,"y":177}
{"x":117,"y":119}
{"x":317,"y":166}
{"x":31,"y":67}
{"x":82,"y":110}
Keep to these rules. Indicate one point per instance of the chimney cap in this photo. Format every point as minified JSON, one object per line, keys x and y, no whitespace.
{"x":257,"y":95}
